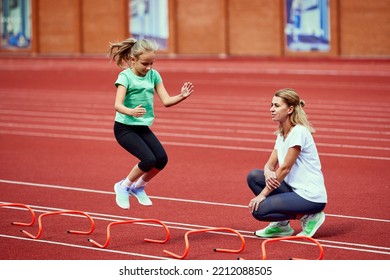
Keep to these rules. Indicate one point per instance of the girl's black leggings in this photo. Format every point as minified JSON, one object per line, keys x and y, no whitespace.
{"x":141,"y":142}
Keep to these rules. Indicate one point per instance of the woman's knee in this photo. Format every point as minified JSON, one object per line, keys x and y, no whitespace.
{"x":255,"y":179}
{"x":255,"y":175}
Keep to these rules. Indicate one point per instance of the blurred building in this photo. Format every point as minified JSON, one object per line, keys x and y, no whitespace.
{"x":266,"y":28}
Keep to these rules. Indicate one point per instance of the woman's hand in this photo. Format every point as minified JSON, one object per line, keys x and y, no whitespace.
{"x":187,"y":89}
{"x":271,"y":181}
{"x":255,"y":202}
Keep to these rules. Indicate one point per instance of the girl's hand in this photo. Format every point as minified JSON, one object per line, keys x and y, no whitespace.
{"x":187,"y":89}
{"x":138,"y":111}
{"x":255,"y":202}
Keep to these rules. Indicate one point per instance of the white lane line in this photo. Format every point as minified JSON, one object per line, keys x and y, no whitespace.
{"x":175,"y":143}
{"x":83,"y":247}
{"x":167,"y":198}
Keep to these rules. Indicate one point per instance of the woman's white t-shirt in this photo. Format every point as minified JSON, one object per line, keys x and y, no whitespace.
{"x":305,"y":177}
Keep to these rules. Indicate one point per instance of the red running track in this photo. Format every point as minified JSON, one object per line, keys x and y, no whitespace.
{"x":58,"y":153}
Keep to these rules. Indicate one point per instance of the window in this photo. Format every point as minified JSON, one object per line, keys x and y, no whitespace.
{"x":15,"y":24}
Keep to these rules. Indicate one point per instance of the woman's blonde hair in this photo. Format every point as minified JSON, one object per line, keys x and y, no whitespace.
{"x":122,"y":52}
{"x":298,"y":116}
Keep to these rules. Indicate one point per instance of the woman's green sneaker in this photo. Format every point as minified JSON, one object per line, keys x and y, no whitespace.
{"x":275,"y":229}
{"x":311,"y":223}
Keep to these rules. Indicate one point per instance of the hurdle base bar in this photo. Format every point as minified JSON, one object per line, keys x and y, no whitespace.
{"x":40,"y":227}
{"x":187,"y":245}
{"x":167,"y":232}
{"x":22,"y":206}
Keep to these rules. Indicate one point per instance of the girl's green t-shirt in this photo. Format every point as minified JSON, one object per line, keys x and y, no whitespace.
{"x":140,"y":91}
